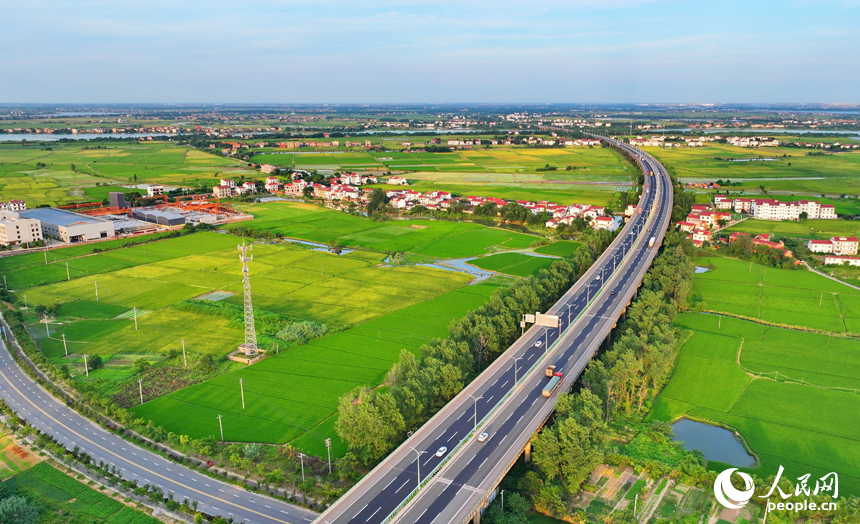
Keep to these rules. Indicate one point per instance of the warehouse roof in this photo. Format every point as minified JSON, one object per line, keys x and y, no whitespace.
{"x":60,"y":217}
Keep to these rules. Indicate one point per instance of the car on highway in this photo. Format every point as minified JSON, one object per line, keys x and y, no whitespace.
{"x":482,"y":437}
{"x":612,"y":292}
{"x":597,"y":277}
{"x":539,"y":343}
{"x":441,"y":451}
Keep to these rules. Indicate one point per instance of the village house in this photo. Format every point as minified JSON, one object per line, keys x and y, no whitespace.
{"x":397,"y":181}
{"x":13,"y":205}
{"x":267,"y":168}
{"x":273,"y":184}
{"x":836,"y":246}
{"x":830,"y":260}
{"x":602,"y":222}
{"x":154,"y":190}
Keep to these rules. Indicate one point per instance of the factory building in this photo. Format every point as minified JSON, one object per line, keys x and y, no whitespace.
{"x":15,"y":229}
{"x":70,"y":227}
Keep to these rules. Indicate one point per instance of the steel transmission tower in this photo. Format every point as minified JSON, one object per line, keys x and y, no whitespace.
{"x":249,"y":348}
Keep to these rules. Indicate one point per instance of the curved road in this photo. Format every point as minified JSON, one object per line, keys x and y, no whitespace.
{"x":459,"y":481}
{"x":51,"y":416}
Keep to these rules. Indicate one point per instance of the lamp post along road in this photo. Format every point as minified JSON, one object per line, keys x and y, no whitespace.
{"x":302,"y":459}
{"x":476,"y":409}
{"x":418,"y":463}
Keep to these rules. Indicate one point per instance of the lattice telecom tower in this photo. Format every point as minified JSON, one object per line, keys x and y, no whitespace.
{"x":249,"y":348}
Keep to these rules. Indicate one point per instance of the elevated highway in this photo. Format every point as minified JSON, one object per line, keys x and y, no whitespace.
{"x":414,"y":484}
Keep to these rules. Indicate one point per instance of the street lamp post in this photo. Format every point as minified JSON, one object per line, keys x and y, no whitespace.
{"x":516,"y":360}
{"x":418,"y":463}
{"x":476,"y":408}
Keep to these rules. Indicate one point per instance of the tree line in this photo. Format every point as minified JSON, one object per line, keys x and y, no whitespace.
{"x":373,"y":421}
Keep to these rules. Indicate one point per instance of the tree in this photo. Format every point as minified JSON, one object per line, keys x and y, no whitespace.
{"x":95,"y":362}
{"x":16,"y":510}
{"x":369,"y":422}
{"x":377,"y":200}
{"x":308,"y":191}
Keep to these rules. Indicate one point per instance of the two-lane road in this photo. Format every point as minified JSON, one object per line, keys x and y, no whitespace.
{"x":52,"y":417}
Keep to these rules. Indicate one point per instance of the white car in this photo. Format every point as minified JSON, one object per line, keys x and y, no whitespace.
{"x":597,"y":277}
{"x":482,"y":437}
{"x":441,"y":451}
{"x":539,"y":343}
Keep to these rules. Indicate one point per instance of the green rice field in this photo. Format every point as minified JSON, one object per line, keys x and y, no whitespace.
{"x":797,"y":297}
{"x":810,"y":229}
{"x":114,"y":164}
{"x":292,"y":397}
{"x":514,"y":264}
{"x":813,"y":175}
{"x":285,"y":279}
{"x":64,"y":500}
{"x":437,"y":239}
{"x":793,"y":396}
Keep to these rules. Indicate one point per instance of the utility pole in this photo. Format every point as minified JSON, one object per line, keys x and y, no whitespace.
{"x":86,"y":367}
{"x":135,"y":319}
{"x":65,"y":348}
{"x":46,"y":255}
{"x":97,"y":289}
{"x":47,"y":329}
{"x":220,"y":425}
{"x":242,"y":391}
{"x":140,"y":386}
{"x":328,"y":447}
{"x":503,"y":501}
{"x":25,"y":303}
{"x":302,"y":458}
{"x":184,"y":360}
{"x":68,"y":277}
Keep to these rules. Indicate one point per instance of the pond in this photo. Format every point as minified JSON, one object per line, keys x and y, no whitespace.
{"x":700,"y":269}
{"x":715,"y":442}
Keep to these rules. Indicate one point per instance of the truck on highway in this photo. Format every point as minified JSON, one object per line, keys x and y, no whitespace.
{"x":651,"y":242}
{"x":552,"y":385}
{"x":550,"y":371}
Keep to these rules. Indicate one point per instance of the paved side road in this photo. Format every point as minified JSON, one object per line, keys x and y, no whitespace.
{"x":49,"y":415}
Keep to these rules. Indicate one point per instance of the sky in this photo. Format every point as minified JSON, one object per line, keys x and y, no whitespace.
{"x":444,"y":51}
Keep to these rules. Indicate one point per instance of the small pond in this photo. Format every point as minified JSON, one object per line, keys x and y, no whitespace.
{"x":716,"y":443}
{"x":700,"y":269}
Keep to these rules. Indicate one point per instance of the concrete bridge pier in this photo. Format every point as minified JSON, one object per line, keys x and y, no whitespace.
{"x":476,"y":518}
{"x":527,"y":451}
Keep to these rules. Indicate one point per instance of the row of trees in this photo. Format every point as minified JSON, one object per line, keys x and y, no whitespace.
{"x":373,"y":422}
{"x":620,"y":384}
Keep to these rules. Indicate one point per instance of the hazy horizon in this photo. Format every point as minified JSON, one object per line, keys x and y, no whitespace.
{"x":380,"y":51}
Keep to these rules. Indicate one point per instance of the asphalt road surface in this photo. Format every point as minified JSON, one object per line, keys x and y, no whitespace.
{"x":51,"y":416}
{"x":509,"y":414}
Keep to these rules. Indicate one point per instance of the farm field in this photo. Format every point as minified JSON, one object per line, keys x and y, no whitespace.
{"x":562,"y":248}
{"x":292,"y":397}
{"x":811,"y":229}
{"x":514,"y":264}
{"x":293,"y":281}
{"x":587,"y":163}
{"x":792,"y":297}
{"x":438,"y":239}
{"x":831,"y":173}
{"x":13,"y":458}
{"x":791,"y":395}
{"x":42,"y":176}
{"x":63,"y":500}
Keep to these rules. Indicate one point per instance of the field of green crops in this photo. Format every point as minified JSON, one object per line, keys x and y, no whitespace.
{"x":63,"y":500}
{"x":792,"y":395}
{"x":802,"y":411}
{"x":811,"y":229}
{"x":831,"y":173}
{"x":58,"y":183}
{"x":292,"y":397}
{"x":563,"y":248}
{"x":287,"y":279}
{"x":514,"y":264}
{"x":437,"y":239}
{"x":798,"y":298}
